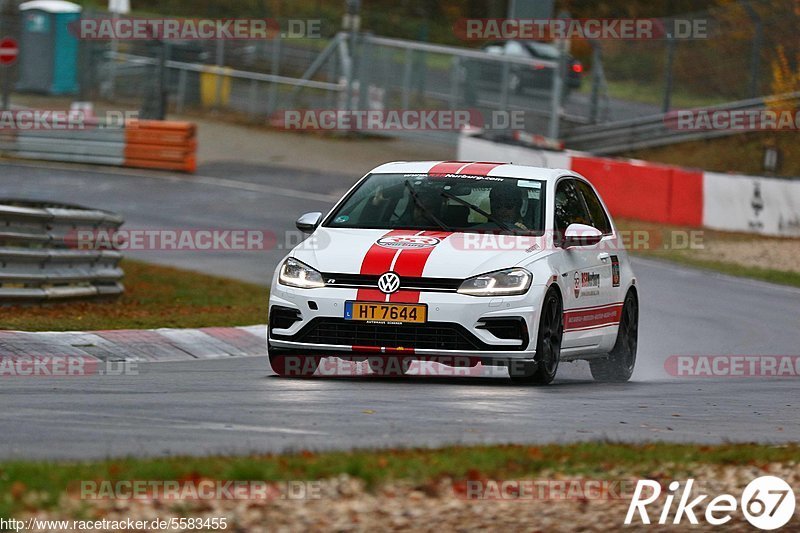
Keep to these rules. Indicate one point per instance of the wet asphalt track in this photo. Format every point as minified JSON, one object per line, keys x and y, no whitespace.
{"x":237,"y":405}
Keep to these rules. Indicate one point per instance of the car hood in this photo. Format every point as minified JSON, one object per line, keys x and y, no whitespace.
{"x":415,"y":254}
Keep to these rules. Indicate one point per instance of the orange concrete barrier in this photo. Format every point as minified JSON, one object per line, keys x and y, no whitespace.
{"x":161,"y":144}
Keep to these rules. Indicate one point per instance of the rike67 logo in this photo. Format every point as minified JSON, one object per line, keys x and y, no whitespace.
{"x":767,"y":503}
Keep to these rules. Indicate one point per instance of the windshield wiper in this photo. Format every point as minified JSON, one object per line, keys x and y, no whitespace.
{"x":489,"y":216}
{"x":427,"y":212}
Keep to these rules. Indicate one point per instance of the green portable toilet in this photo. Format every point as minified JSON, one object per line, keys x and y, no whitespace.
{"x":48,"y":61}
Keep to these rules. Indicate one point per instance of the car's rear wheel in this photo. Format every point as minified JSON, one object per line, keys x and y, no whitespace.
{"x":290,"y":364}
{"x":548,"y":345}
{"x":389,"y":366}
{"x":618,"y":366}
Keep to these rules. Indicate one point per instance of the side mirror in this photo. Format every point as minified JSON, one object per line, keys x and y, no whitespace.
{"x":581,"y":235}
{"x":309,"y":222}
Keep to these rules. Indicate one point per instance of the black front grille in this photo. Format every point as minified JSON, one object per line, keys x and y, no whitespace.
{"x":430,"y":336}
{"x":511,"y":328}
{"x":283,"y":317}
{"x":408,"y":283}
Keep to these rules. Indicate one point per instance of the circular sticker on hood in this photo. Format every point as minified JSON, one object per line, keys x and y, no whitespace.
{"x":408,"y":242}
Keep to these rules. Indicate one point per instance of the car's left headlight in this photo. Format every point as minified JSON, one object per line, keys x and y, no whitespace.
{"x":295,"y":273}
{"x":511,"y":282}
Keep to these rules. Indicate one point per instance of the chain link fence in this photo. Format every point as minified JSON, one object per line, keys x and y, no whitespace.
{"x":733,"y":63}
{"x":620,"y":79}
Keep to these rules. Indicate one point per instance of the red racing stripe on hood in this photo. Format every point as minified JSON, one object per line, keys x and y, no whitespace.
{"x":377,"y":261}
{"x":411,"y":263}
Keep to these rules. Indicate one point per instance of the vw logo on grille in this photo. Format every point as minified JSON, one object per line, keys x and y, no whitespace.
{"x":389,"y":283}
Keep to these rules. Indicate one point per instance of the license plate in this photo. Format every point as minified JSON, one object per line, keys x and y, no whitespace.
{"x":380,"y":312}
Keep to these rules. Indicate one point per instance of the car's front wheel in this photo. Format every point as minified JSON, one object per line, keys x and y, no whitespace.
{"x":618,"y":366}
{"x":548,"y":345}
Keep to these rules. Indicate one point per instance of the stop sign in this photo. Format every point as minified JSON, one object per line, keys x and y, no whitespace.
{"x":9,"y":50}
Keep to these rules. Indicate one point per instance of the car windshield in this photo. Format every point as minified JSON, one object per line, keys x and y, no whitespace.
{"x":456,"y":203}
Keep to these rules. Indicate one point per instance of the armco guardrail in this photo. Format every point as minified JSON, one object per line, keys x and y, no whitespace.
{"x":660,"y":130}
{"x":39,"y":259}
{"x":155,"y":144}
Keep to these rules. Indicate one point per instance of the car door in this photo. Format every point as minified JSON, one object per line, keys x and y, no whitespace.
{"x":608,"y":252}
{"x":586,"y":272}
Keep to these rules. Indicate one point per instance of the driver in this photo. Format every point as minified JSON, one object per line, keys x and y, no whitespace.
{"x":506,"y":203}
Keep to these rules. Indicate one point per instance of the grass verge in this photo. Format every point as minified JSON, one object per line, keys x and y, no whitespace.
{"x":648,"y":93}
{"x":155,"y":297}
{"x":49,"y":481}
{"x":718,"y":251}
{"x":740,"y":153}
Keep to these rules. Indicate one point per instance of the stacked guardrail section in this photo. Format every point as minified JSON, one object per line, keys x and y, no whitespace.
{"x":41,"y":258}
{"x":154,"y":144}
{"x":161,"y":144}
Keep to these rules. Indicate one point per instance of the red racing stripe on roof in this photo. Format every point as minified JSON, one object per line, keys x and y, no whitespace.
{"x":480,"y":169}
{"x":448,"y":167}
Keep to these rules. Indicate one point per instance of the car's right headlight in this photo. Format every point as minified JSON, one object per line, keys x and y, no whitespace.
{"x":295,"y":273}
{"x":511,"y":282}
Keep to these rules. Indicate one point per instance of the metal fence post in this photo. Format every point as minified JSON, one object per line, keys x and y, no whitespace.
{"x":597,"y":68}
{"x":364,"y":65}
{"x":180,"y":104}
{"x":408,"y":63}
{"x":253,"y":100}
{"x":671,"y":45}
{"x":755,"y":50}
{"x":558,"y":86}
{"x":454,"y":92}
{"x":275,"y":67}
{"x":504,"y":85}
{"x":333,"y":77}
{"x":220,"y":61}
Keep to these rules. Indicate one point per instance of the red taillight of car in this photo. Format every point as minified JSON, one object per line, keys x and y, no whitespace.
{"x":577,"y":68}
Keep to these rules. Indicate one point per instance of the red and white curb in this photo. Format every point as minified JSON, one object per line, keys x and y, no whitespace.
{"x":138,"y":345}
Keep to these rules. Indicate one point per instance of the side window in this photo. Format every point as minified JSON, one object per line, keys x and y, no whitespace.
{"x":569,"y":207}
{"x":600,"y":219}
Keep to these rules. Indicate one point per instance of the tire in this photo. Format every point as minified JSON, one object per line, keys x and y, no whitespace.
{"x":389,"y":366}
{"x":288,"y":364}
{"x":548,"y":345}
{"x":618,"y":366}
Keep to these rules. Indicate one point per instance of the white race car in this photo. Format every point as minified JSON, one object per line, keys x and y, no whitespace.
{"x":500,"y":264}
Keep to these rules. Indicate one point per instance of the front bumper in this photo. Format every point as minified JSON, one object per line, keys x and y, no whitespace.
{"x":456,"y":326}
